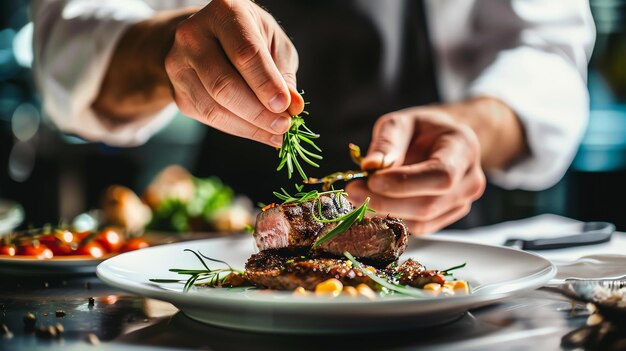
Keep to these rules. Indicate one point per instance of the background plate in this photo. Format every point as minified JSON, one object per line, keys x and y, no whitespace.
{"x":493,"y":272}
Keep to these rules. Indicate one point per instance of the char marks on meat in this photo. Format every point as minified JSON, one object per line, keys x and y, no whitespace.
{"x":415,"y":274}
{"x":274,"y":270}
{"x":376,"y":240}
{"x":292,"y":226}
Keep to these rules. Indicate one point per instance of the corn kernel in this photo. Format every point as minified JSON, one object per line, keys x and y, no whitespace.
{"x":371,"y":269}
{"x":432,"y":288}
{"x":461,"y":286}
{"x":331,"y":286}
{"x":366,"y":291}
{"x":350,"y":291}
{"x":349,"y":264}
{"x":300,"y":291}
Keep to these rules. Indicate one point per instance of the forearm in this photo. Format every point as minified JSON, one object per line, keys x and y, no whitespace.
{"x":499,"y":131}
{"x":135,"y":84}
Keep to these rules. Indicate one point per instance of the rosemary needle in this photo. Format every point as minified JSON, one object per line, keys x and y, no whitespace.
{"x":293,"y":148}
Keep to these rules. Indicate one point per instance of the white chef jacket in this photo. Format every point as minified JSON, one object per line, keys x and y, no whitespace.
{"x":531,"y":54}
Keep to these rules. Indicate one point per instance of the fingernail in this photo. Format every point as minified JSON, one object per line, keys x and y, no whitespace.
{"x":281,"y":124}
{"x":279,"y":102}
{"x":277,"y":140}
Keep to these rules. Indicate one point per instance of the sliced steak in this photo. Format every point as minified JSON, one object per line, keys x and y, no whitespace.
{"x":415,"y":274}
{"x":292,"y":226}
{"x":271,"y":269}
{"x":378,"y":241}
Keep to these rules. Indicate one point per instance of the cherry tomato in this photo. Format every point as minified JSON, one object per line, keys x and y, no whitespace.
{"x":60,"y":247}
{"x":8,"y":250}
{"x":92,"y":249}
{"x":135,"y":244}
{"x":78,"y":237}
{"x":38,"y":250}
{"x":111,"y":239}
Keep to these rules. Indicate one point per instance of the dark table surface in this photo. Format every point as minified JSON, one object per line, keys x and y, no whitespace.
{"x":537,"y":320}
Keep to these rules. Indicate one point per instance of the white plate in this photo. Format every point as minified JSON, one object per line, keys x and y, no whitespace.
{"x":63,"y":265}
{"x":493,"y":272}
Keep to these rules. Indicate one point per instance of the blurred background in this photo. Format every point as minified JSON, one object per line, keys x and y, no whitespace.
{"x":55,"y":176}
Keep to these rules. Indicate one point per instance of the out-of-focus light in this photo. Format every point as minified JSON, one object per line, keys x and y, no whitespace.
{"x":23,"y":46}
{"x":25,"y":121}
{"x":21,"y":161}
{"x":110,"y":299}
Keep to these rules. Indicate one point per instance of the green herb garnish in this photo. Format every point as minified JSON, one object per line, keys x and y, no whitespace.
{"x":207,"y":276}
{"x":293,"y":148}
{"x":384,"y":282}
{"x":345,"y":222}
{"x":447,"y":271}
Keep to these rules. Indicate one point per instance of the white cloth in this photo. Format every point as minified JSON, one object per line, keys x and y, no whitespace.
{"x":532,"y":54}
{"x":605,"y":260}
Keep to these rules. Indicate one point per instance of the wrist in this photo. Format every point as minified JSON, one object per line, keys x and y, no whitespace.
{"x":136,"y":83}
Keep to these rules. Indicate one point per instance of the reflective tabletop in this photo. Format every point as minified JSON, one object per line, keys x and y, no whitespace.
{"x":84,"y":313}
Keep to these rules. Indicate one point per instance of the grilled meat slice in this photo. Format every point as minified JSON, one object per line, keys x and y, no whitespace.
{"x":378,"y":241}
{"x":292,"y":226}
{"x":415,"y":274}
{"x":272,"y":269}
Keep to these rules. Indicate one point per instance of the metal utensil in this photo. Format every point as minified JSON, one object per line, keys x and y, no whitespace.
{"x":591,"y":233}
{"x":583,"y":290}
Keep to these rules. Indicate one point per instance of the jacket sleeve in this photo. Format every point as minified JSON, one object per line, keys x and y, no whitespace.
{"x":533,"y":56}
{"x":73,"y":43}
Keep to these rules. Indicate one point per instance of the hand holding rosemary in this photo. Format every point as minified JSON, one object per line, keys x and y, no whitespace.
{"x":410,"y":278}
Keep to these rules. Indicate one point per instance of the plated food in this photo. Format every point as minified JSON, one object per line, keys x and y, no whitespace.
{"x":297,"y":254}
{"x":175,"y":201}
{"x":53,"y":243}
{"x":319,"y":241}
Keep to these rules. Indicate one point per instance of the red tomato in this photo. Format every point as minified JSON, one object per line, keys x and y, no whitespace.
{"x":111,"y":239}
{"x":135,"y":244}
{"x":78,"y":237}
{"x":39,"y":251}
{"x":60,"y":247}
{"x":8,"y":250}
{"x":92,"y":249}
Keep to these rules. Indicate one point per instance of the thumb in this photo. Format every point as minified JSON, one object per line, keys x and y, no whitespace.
{"x":390,"y":140}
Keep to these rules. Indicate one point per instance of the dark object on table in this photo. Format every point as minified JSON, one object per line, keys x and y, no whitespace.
{"x":591,"y":233}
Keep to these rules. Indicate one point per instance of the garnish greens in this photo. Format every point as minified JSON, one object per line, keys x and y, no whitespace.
{"x":210,"y":195}
{"x":446,"y":272}
{"x":344,"y":221}
{"x":293,"y":148}
{"x":384,"y":282}
{"x":207,"y":276}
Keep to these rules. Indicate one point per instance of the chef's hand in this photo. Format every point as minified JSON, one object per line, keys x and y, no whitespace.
{"x":432,"y":169}
{"x":233,"y":68}
{"x":228,"y":65}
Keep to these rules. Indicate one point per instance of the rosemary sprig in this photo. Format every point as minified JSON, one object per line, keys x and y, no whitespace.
{"x":301,"y":196}
{"x":293,"y":148}
{"x":207,"y":276}
{"x":447,"y":271}
{"x":384,"y":282}
{"x":345,"y":222}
